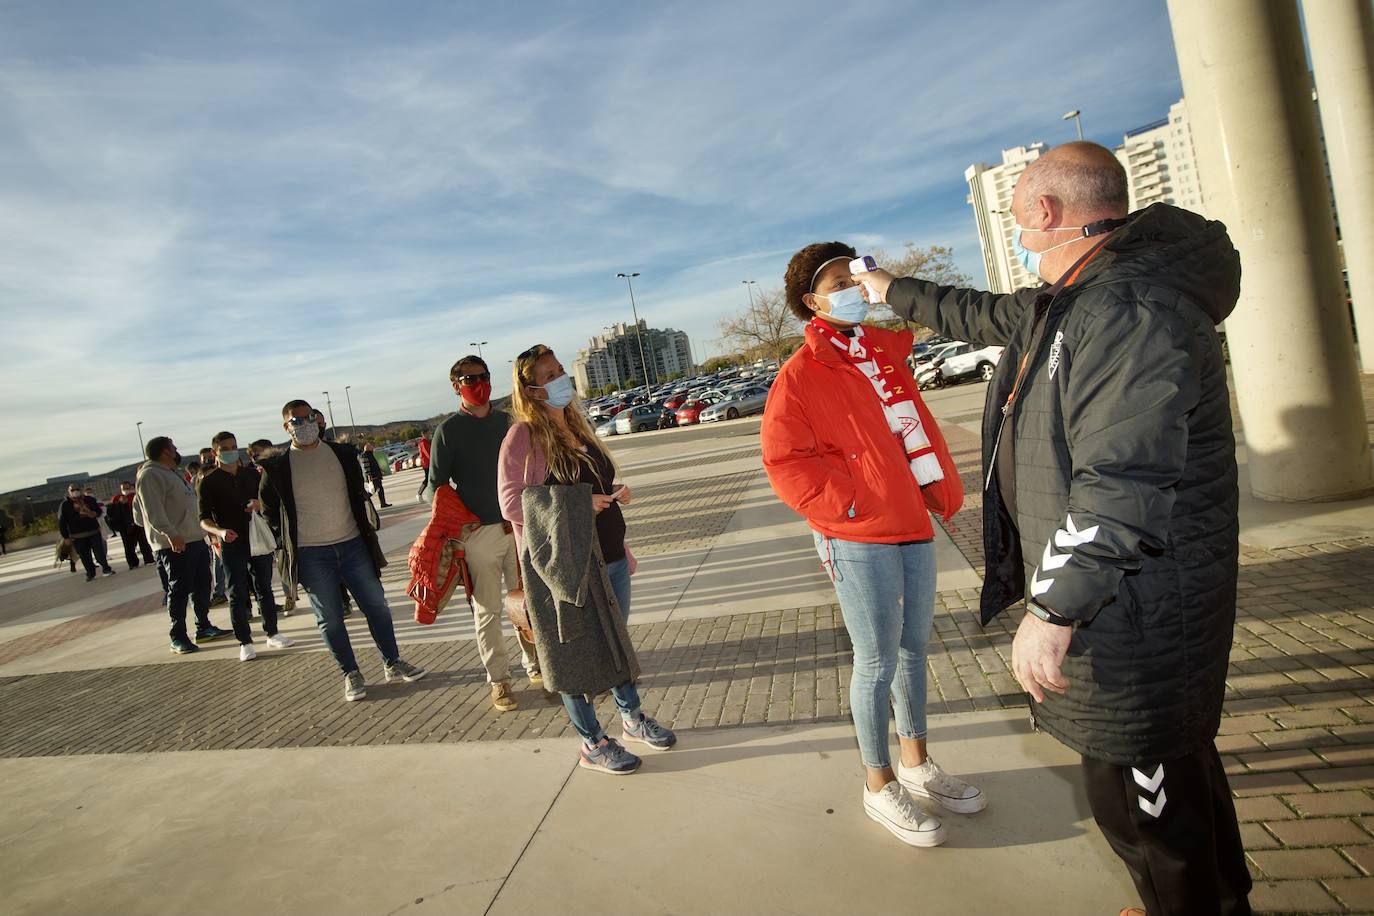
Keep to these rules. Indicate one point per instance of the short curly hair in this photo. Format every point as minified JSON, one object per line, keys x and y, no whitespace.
{"x":797,"y":281}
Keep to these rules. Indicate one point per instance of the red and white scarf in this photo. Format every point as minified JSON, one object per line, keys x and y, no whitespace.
{"x":899,"y":404}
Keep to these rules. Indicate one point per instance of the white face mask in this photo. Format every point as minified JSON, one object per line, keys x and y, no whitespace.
{"x":306,"y":434}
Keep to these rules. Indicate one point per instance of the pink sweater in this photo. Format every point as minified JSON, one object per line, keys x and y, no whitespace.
{"x":521,"y":465}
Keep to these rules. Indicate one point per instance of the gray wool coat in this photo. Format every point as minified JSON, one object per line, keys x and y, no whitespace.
{"x":579,"y":633}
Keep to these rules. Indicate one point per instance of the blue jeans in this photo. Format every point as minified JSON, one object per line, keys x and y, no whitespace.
{"x":188,"y":579}
{"x":887,"y":597}
{"x":320,"y":571}
{"x":580,"y":710}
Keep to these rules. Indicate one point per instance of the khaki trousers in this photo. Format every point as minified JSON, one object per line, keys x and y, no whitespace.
{"x":491,"y":558}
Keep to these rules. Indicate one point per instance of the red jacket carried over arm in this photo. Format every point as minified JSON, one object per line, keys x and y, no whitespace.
{"x":436,"y":558}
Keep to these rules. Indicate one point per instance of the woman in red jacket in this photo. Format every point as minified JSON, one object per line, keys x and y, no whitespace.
{"x":848,"y":443}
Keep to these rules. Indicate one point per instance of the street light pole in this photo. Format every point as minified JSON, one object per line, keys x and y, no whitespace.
{"x":644,"y":363}
{"x":141,"y":447}
{"x":479,"y":345}
{"x":351,"y":425}
{"x":749,"y":285}
{"x":329,"y":405}
{"x":1076,"y":117}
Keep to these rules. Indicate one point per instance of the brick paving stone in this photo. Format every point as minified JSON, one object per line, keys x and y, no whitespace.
{"x":1281,"y":782}
{"x":1296,"y":759}
{"x":1262,"y":808}
{"x":1334,"y":778}
{"x":1355,"y":893}
{"x":1302,"y":863}
{"x":1254,"y":836}
{"x":1292,"y":897}
{"x":1328,"y":804}
{"x":1318,"y":831}
{"x":1296,"y":738}
{"x":1362,"y":856}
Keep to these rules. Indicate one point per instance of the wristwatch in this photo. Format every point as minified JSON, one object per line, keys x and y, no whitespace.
{"x":1049,"y":616}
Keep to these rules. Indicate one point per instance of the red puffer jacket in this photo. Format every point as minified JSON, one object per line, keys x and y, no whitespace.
{"x":437,"y":562}
{"x":827,"y":448}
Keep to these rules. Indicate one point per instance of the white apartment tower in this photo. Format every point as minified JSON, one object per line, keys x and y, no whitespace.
{"x":989,"y":193}
{"x":1160,"y":164}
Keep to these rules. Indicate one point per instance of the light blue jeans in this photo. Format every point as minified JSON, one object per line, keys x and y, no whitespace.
{"x":887,"y":598}
{"x":580,"y":711}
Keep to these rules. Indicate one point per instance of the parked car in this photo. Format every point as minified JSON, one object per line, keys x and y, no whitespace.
{"x":675,"y":401}
{"x":747,"y":401}
{"x":637,"y":419}
{"x":968,"y":360}
{"x":606,"y":429}
{"x":690,"y":412}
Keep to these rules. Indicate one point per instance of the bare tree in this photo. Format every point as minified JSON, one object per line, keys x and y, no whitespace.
{"x":766,"y":328}
{"x":935,"y":264}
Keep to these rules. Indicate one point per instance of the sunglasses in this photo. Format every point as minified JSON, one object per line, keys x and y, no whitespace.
{"x":536,"y":350}
{"x":300,"y":421}
{"x":474,"y":379}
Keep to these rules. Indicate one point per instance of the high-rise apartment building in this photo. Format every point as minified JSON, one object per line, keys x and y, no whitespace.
{"x":989,"y":194}
{"x":1160,"y":164}
{"x":614,"y":358}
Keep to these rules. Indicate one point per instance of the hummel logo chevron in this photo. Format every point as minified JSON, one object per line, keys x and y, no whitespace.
{"x":1052,"y":560}
{"x":1153,"y":808}
{"x":1070,"y":536}
{"x":1149,"y":783}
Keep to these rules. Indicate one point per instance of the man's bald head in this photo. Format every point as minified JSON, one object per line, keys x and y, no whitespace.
{"x":1084,"y":178}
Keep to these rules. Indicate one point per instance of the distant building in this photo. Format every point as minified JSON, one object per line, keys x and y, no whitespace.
{"x":614,"y":358}
{"x":1160,"y":164}
{"x":989,"y":194}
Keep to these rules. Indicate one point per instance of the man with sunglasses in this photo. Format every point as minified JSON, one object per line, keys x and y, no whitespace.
{"x":464,"y":454}
{"x":313,"y":498}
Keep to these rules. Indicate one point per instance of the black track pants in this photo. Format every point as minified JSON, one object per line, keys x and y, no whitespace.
{"x":1174,"y":825}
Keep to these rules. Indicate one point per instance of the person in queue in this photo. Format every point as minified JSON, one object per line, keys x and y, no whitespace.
{"x":551,"y":444}
{"x":1111,"y":506}
{"x":867,"y":488}
{"x":312,"y":497}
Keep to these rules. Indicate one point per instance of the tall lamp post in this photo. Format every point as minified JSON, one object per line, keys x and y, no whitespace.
{"x":141,"y":448}
{"x":330,"y":407}
{"x":643,"y":362}
{"x":479,"y":345}
{"x":351,"y":424}
{"x":749,"y":285}
{"x":1076,"y":117}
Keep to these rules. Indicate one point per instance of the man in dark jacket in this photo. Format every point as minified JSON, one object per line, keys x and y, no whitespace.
{"x":1111,"y":494}
{"x":313,"y":498}
{"x":119,"y":515}
{"x":373,"y":470}
{"x":78,"y":521}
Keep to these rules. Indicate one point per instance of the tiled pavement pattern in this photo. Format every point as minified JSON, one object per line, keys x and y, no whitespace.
{"x":1298,"y":736}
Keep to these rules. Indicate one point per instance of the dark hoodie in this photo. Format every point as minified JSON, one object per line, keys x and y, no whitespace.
{"x":1124,"y":476}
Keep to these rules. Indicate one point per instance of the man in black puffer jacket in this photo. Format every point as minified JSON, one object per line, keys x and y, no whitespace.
{"x":1111,"y":497}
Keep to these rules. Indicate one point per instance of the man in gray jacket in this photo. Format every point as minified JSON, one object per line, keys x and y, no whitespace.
{"x":169,"y":510}
{"x":1110,"y":501}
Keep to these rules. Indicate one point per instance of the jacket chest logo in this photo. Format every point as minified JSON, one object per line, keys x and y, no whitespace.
{"x":1054,"y":352}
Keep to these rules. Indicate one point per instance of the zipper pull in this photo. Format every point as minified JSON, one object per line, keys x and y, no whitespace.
{"x":1006,"y":409}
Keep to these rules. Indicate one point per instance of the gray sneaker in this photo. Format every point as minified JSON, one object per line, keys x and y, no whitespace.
{"x":354,"y":688}
{"x":648,"y":731}
{"x":608,"y":757}
{"x":404,"y":670}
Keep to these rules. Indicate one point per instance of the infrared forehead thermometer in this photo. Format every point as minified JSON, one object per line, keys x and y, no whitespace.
{"x":864,"y":265}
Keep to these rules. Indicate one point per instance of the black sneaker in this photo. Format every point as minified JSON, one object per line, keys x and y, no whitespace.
{"x":108,"y":572}
{"x":217,"y":600}
{"x":184,"y":647}
{"x":90,"y":578}
{"x":210,"y":634}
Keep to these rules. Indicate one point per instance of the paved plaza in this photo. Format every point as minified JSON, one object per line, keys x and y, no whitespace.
{"x":134,"y":781}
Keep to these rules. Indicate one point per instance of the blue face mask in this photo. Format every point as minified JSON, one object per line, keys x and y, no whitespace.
{"x":847,"y":305}
{"x":229,"y":456}
{"x":560,"y":392}
{"x":1031,"y":259}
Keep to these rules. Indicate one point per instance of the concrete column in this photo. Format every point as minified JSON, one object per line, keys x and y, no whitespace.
{"x":1244,"y":74}
{"x":1341,"y":36}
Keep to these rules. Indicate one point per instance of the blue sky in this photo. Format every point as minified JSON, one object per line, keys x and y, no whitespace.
{"x":209,"y":208}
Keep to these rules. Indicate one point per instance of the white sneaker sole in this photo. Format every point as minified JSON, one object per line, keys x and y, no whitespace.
{"x":353,"y":697}
{"x":400,"y":677}
{"x":956,"y":805}
{"x":582,"y":762}
{"x":922,"y":838}
{"x":627,"y":737}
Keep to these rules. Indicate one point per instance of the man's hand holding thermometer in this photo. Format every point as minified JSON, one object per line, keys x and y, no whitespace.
{"x":875,"y":280}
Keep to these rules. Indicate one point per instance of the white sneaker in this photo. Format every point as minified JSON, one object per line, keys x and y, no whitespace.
{"x":895,"y":810}
{"x":278,"y":641}
{"x":246,"y":653}
{"x":950,"y":792}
